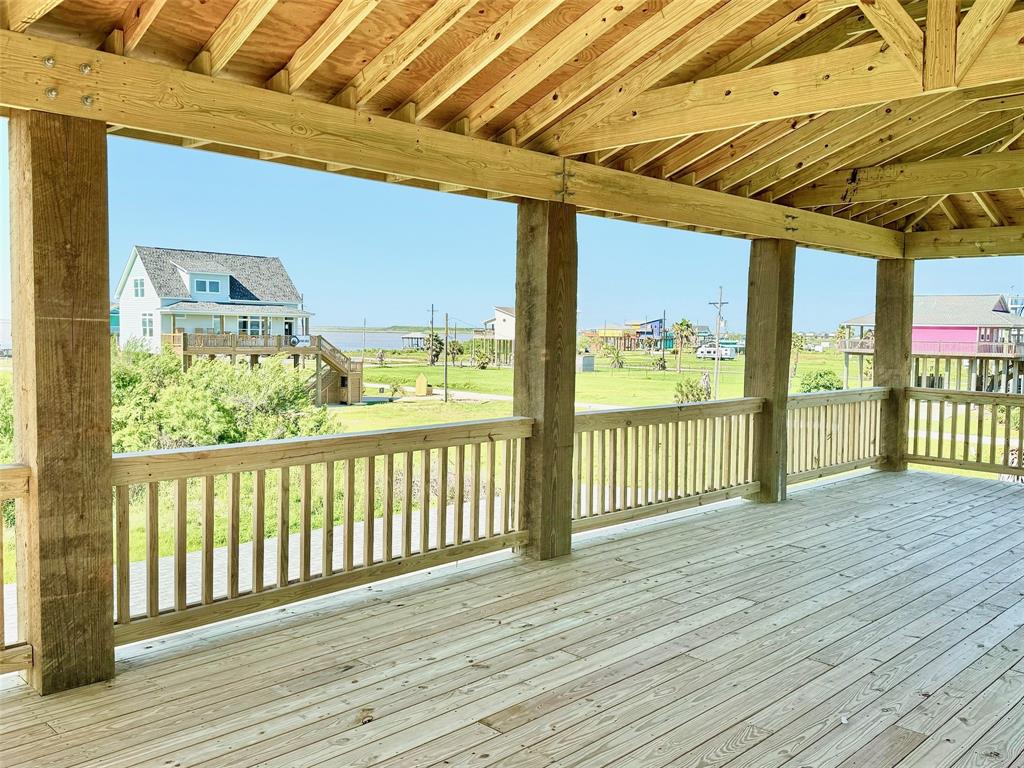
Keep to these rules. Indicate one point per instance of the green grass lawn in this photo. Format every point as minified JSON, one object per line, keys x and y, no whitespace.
{"x":636,"y":384}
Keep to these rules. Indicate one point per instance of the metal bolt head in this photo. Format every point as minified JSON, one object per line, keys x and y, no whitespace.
{"x":87,"y":100}
{"x":85,"y":69}
{"x":51,"y":93}
{"x":49,"y":61}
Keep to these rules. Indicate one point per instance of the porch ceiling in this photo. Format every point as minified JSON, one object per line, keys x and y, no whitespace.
{"x":823,"y":121}
{"x":878,"y":614}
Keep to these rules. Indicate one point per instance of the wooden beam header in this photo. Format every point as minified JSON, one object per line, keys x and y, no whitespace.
{"x":959,"y":243}
{"x":150,"y":97}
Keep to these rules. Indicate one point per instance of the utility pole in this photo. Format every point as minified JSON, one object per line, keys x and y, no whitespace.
{"x":718,"y":338}
{"x":446,"y":357}
{"x":430,"y":338}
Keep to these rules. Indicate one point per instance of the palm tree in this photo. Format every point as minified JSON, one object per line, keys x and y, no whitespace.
{"x":684,"y":335}
{"x":796,"y":344}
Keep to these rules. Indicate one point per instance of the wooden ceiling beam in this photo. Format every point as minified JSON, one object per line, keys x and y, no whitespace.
{"x":647,"y":74}
{"x":144,"y":96}
{"x":22,"y":13}
{"x":230,"y":35}
{"x":941,"y":24}
{"x":976,"y":30}
{"x":899,"y":30}
{"x":488,"y":46}
{"x":321,"y":44}
{"x":955,"y":175}
{"x":547,"y":60}
{"x":862,"y":75}
{"x":959,"y":243}
{"x":617,"y":59}
{"x":402,"y":51}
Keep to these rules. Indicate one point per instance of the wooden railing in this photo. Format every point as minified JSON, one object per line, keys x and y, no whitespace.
{"x":14,"y":653}
{"x":638,"y":462}
{"x":363,"y":507}
{"x":833,"y":432}
{"x":967,"y":430}
{"x":943,"y":348}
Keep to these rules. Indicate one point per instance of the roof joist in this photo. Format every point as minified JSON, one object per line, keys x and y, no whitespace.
{"x":231,"y":34}
{"x":861,"y":75}
{"x":151,"y":97}
{"x":21,"y":13}
{"x":958,"y":243}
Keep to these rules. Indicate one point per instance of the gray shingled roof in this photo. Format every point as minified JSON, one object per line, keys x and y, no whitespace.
{"x":225,"y":308}
{"x":253,"y":278}
{"x":986,"y":310}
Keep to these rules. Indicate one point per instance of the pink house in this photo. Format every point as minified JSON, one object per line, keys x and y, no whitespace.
{"x":958,"y":342}
{"x":952,"y":326}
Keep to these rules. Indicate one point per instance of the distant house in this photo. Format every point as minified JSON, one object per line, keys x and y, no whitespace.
{"x":414,"y":340}
{"x":115,"y":320}
{"x":951,"y":326}
{"x":500,"y":332}
{"x":165,"y":290}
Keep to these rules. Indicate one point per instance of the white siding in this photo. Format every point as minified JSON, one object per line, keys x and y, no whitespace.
{"x":504,"y":325}
{"x":133,"y":307}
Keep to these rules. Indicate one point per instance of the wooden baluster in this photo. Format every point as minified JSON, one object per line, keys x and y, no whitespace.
{"x":656,"y":458}
{"x":613,"y":469}
{"x":389,"y":507}
{"x":306,"y":522}
{"x":727,"y":427}
{"x":442,"y":498}
{"x":636,"y":467}
{"x":460,"y":492}
{"x":407,"y":476}
{"x":474,"y":504}
{"x":492,"y":453}
{"x":714,"y":465}
{"x":327,"y":550}
{"x":993,"y":428}
{"x":952,"y":431}
{"x":577,"y":484}
{"x":122,"y":555}
{"x":980,"y":435}
{"x":181,"y":545}
{"x":234,"y":487}
{"x":207,"y":568}
{"x":1003,"y":456}
{"x":591,"y":489}
{"x":259,"y":499}
{"x":506,"y":501}
{"x":602,"y":458}
{"x":283,"y":525}
{"x":369,"y":508}
{"x":349,"y":553}
{"x":152,"y":549}
{"x":424,"y":501}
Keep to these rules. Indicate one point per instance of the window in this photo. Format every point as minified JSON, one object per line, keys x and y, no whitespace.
{"x":214,"y":286}
{"x":200,"y":286}
{"x":147,"y":325}
{"x":138,"y":287}
{"x":253,"y":326}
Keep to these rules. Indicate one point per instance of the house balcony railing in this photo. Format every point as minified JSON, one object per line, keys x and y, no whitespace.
{"x":364,"y":507}
{"x":267,"y":344}
{"x":1009,"y":349}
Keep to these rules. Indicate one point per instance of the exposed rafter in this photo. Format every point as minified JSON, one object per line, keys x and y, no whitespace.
{"x":975,"y":32}
{"x":956,"y":243}
{"x":899,"y":30}
{"x":136,"y":20}
{"x":940,"y":44}
{"x":402,"y":51}
{"x":21,"y":13}
{"x":487,"y":46}
{"x":328,"y":36}
{"x":232,"y":33}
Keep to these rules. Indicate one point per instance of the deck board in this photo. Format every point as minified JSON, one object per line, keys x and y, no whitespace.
{"x":874,"y":620}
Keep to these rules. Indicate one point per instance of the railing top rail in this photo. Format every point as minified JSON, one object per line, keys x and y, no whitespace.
{"x":957,"y":396}
{"x":656,"y":414}
{"x":174,"y":464}
{"x":14,"y":479}
{"x":816,"y":399}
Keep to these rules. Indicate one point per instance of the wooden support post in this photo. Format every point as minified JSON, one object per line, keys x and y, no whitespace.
{"x":766,"y":373}
{"x":59,"y":275}
{"x":544,"y":372}
{"x":894,"y":315}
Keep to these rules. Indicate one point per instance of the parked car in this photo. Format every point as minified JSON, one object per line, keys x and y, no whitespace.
{"x":711,"y":352}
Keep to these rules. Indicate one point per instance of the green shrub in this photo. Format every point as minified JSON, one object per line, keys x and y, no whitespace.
{"x":820,"y":381}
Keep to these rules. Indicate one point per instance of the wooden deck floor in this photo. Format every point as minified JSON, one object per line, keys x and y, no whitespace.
{"x":873,"y":621}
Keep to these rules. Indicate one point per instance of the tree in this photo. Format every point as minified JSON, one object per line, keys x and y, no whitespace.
{"x":435,"y":348}
{"x":796,"y":344}
{"x":691,"y":390}
{"x":820,"y":381}
{"x":684,"y":335}
{"x":381,"y":359}
{"x":614,"y":357}
{"x":455,"y":349}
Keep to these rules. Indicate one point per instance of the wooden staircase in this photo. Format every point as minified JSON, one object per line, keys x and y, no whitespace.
{"x":339,"y":379}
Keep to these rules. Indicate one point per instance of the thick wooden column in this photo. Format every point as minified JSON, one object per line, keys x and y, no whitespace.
{"x":545,"y":372}
{"x":894,"y":318}
{"x":766,"y":371}
{"x":60,"y":295}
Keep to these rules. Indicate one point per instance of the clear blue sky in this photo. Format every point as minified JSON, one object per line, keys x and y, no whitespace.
{"x":383,"y":252}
